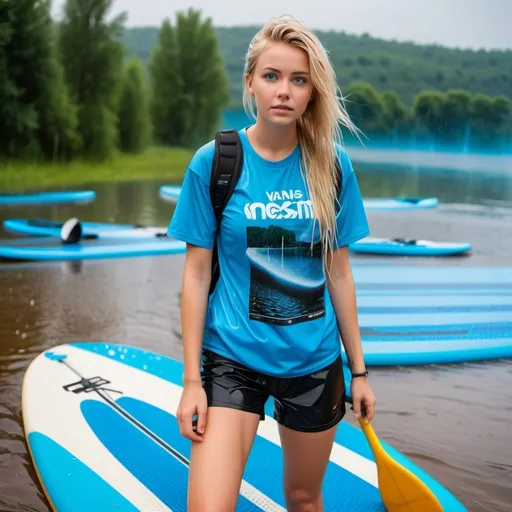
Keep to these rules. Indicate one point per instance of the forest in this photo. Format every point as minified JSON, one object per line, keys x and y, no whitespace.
{"x":86,"y":87}
{"x":403,"y":67}
{"x":399,"y":90}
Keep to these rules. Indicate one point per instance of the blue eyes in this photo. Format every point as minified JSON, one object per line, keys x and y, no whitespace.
{"x":272,"y":76}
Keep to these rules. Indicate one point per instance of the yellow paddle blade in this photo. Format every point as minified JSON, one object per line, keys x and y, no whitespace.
{"x":400,"y":490}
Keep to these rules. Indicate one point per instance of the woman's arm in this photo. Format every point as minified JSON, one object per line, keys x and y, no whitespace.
{"x":341,"y":288}
{"x":194,"y":300}
{"x":343,"y":296}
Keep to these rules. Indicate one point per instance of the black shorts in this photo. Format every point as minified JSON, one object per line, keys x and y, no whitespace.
{"x":309,"y":403}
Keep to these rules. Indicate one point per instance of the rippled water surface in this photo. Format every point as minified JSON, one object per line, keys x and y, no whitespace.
{"x":454,"y":421}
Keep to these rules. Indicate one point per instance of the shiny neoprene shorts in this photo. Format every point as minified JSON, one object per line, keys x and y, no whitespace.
{"x":309,"y":403}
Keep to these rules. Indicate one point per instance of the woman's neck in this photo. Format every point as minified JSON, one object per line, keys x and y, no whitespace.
{"x":272,"y":142}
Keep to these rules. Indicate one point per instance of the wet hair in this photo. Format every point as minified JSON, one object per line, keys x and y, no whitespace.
{"x":319,"y":128}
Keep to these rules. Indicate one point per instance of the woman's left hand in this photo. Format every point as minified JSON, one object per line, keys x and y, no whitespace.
{"x":362,"y":396}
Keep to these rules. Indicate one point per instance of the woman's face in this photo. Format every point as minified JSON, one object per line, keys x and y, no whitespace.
{"x":281,"y":83}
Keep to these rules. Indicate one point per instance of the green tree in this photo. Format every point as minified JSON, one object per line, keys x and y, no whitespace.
{"x":133,"y":113}
{"x":428,"y":112}
{"x":37,"y":118}
{"x":489,"y":117}
{"x":456,"y":114}
{"x":365,"y":107}
{"x":395,"y":113}
{"x":189,"y":84}
{"x":92,"y":57}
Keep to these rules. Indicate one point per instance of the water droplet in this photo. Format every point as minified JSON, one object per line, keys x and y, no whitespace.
{"x":145,"y":367}
{"x":17,"y":332}
{"x":111,"y":352}
{"x":122,"y":356}
{"x":32,"y":302}
{"x":23,"y":335}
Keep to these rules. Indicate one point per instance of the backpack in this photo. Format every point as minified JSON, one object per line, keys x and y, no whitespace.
{"x":227,"y":164}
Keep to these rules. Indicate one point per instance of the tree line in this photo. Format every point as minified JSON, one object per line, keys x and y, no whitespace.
{"x":453,"y":117}
{"x":394,"y":89}
{"x":68,"y":89}
{"x":86,"y":87}
{"x":404,"y":67}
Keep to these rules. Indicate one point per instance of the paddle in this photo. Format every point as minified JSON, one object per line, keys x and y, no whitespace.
{"x":400,"y":489}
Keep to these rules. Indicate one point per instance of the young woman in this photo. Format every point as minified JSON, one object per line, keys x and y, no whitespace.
{"x":285,"y":294}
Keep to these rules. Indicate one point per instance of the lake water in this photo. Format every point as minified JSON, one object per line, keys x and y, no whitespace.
{"x":454,"y":420}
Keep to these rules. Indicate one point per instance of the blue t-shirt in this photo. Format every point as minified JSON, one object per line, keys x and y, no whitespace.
{"x":271,"y":308}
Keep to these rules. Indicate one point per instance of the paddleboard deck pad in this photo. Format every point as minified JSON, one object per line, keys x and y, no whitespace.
{"x":49,"y":197}
{"x":408,"y":247}
{"x":100,"y":424}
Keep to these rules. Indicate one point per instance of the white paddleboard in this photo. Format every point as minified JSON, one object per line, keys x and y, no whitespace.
{"x":100,"y":423}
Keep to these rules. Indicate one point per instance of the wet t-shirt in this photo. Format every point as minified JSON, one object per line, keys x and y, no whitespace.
{"x":271,"y":309}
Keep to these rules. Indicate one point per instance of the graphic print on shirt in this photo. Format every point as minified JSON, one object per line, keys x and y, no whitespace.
{"x":286,"y":278}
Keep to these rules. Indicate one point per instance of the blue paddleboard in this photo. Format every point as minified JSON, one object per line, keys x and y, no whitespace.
{"x":100,"y":423}
{"x":52,"y":248}
{"x":55,"y":197}
{"x":41,"y":227}
{"x":408,"y":247}
{"x":418,"y":344}
{"x":400,"y":203}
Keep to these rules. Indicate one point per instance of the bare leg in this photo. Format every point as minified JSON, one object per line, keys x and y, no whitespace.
{"x":217,"y":462}
{"x":306,"y":455}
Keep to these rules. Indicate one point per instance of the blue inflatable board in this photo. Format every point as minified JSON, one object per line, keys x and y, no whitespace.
{"x":55,"y":197}
{"x":41,"y":227}
{"x":172,"y":192}
{"x":100,"y":424}
{"x":418,"y":344}
{"x":400,"y":203}
{"x":433,"y":276}
{"x":52,"y":248}
{"x":408,"y":247}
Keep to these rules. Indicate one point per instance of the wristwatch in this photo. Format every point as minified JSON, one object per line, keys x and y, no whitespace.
{"x":361,"y":374}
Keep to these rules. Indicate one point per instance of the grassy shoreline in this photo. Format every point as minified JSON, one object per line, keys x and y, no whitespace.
{"x":155,"y":163}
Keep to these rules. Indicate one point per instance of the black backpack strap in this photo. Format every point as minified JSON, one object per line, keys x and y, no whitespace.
{"x":227,"y":164}
{"x":339,"y":181}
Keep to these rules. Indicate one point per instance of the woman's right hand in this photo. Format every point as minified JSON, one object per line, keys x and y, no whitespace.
{"x":193,"y":401}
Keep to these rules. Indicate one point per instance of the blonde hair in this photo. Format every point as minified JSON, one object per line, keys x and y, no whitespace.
{"x":319,"y":128}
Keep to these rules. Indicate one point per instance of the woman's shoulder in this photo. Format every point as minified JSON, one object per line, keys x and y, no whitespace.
{"x":202,"y":160}
{"x":344,"y":161}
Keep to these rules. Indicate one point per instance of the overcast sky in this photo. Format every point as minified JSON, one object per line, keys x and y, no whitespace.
{"x":462,"y":23}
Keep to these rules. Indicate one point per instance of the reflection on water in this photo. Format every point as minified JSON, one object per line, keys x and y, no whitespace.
{"x":492,"y":186}
{"x":453,"y":421}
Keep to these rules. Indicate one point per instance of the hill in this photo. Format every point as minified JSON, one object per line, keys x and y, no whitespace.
{"x":404,"y":67}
